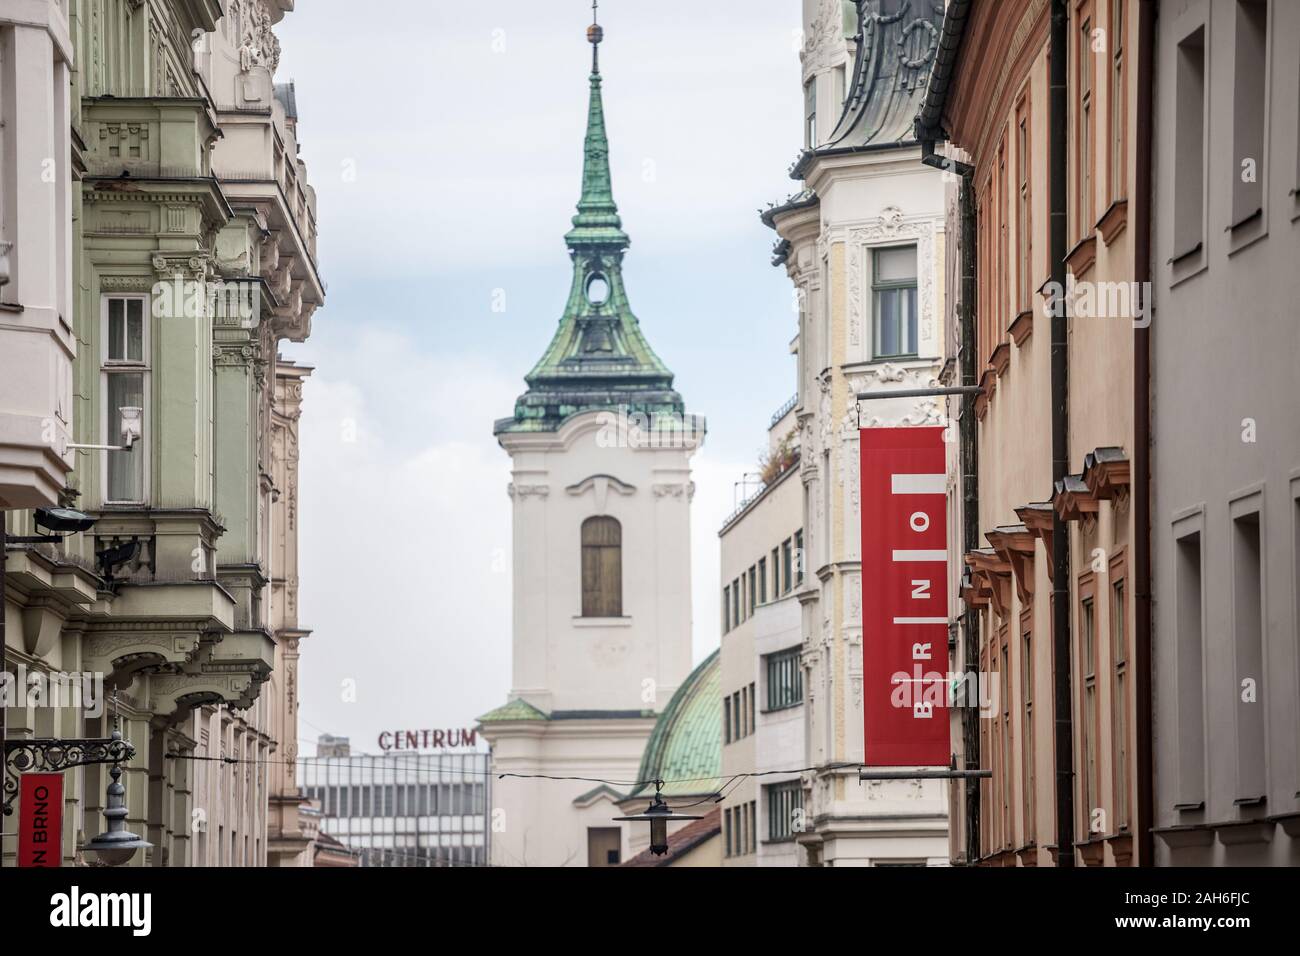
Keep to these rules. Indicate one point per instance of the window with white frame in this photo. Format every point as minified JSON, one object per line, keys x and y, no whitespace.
{"x":893,"y":286}
{"x":125,"y":384}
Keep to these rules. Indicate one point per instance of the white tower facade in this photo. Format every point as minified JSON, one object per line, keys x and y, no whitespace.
{"x":600,"y":447}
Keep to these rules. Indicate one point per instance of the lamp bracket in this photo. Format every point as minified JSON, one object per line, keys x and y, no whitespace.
{"x":51,"y":754}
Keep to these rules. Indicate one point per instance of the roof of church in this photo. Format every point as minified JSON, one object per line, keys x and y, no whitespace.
{"x":517,"y":709}
{"x":896,"y":45}
{"x":685,"y":747}
{"x":598,"y":358}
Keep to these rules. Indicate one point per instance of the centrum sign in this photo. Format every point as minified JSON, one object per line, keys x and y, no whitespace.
{"x":427,"y":739}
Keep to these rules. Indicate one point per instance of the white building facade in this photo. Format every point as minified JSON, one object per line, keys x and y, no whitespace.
{"x":38,"y":152}
{"x":863,"y":243}
{"x":763,"y":723}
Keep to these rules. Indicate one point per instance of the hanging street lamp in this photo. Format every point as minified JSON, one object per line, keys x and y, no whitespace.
{"x":116,"y":845}
{"x":659,"y":815}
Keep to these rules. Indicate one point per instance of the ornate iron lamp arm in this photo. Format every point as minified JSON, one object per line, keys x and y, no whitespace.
{"x":53,"y":754}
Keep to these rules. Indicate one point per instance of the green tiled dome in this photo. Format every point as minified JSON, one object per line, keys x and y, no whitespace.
{"x":685,"y":748}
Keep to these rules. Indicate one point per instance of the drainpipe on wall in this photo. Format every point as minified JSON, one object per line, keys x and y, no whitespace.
{"x":1062,"y":697}
{"x":970,"y":499}
{"x":969,"y":464}
{"x":1142,"y":432}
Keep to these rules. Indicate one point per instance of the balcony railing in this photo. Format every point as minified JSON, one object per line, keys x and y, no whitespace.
{"x":785,"y":409}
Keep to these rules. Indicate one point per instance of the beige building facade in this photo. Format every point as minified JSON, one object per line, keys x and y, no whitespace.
{"x":863,"y":244}
{"x":1049,"y":521}
{"x":182,"y":596}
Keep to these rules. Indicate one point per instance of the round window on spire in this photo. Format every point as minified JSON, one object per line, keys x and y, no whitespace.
{"x":597,"y":289}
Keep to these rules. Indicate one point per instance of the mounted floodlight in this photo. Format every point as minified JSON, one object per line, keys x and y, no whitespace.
{"x":63,"y":520}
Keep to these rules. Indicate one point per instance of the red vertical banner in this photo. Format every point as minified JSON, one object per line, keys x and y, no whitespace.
{"x":904,"y":598}
{"x":40,"y":819}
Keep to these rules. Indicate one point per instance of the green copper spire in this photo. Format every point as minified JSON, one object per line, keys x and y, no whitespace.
{"x":597,"y":221}
{"x":598,"y":359}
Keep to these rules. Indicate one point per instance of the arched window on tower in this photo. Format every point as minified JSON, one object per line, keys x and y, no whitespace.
{"x":602,"y":567}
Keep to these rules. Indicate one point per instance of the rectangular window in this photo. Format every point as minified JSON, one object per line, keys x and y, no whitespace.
{"x":743,"y":697}
{"x":810,"y":114}
{"x":1190,"y":699}
{"x":776,"y":573}
{"x":727,"y":734}
{"x":1188,"y":154}
{"x":787,"y":564}
{"x":752,"y":707}
{"x":735,"y":602}
{"x":784,"y":679}
{"x":784,"y":810}
{"x":1119,"y":695}
{"x":753,"y":588}
{"x":1117,"y":162}
{"x":1027,"y":718}
{"x":1249,"y":91}
{"x":1248,"y":642}
{"x":1084,"y":136}
{"x":893,"y":285}
{"x":1008,"y":774}
{"x":762,"y":580}
{"x":726,"y":609}
{"x":1088,"y":723}
{"x":125,"y":377}
{"x":1024,"y":217}
{"x":1003,"y":266}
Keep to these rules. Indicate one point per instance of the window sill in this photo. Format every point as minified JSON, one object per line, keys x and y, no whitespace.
{"x":1000,"y":360}
{"x":1021,"y":327}
{"x":580,"y":621}
{"x":1188,"y":263}
{"x":782,"y":709}
{"x":1179,"y":257}
{"x":1080,"y":259}
{"x":1246,"y":231}
{"x":1113,"y":221}
{"x":896,"y":359}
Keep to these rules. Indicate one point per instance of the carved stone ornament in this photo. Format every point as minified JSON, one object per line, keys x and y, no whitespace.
{"x":528,"y":491}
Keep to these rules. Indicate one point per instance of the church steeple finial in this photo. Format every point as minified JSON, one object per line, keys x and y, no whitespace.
{"x":597,"y":222}
{"x":594,"y":35}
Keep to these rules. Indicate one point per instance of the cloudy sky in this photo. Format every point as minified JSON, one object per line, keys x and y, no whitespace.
{"x":444,"y":141}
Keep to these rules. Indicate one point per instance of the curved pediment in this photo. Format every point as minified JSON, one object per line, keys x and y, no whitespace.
{"x":601,"y":486}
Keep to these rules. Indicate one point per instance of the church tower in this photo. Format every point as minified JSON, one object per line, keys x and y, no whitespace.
{"x":600,"y":447}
